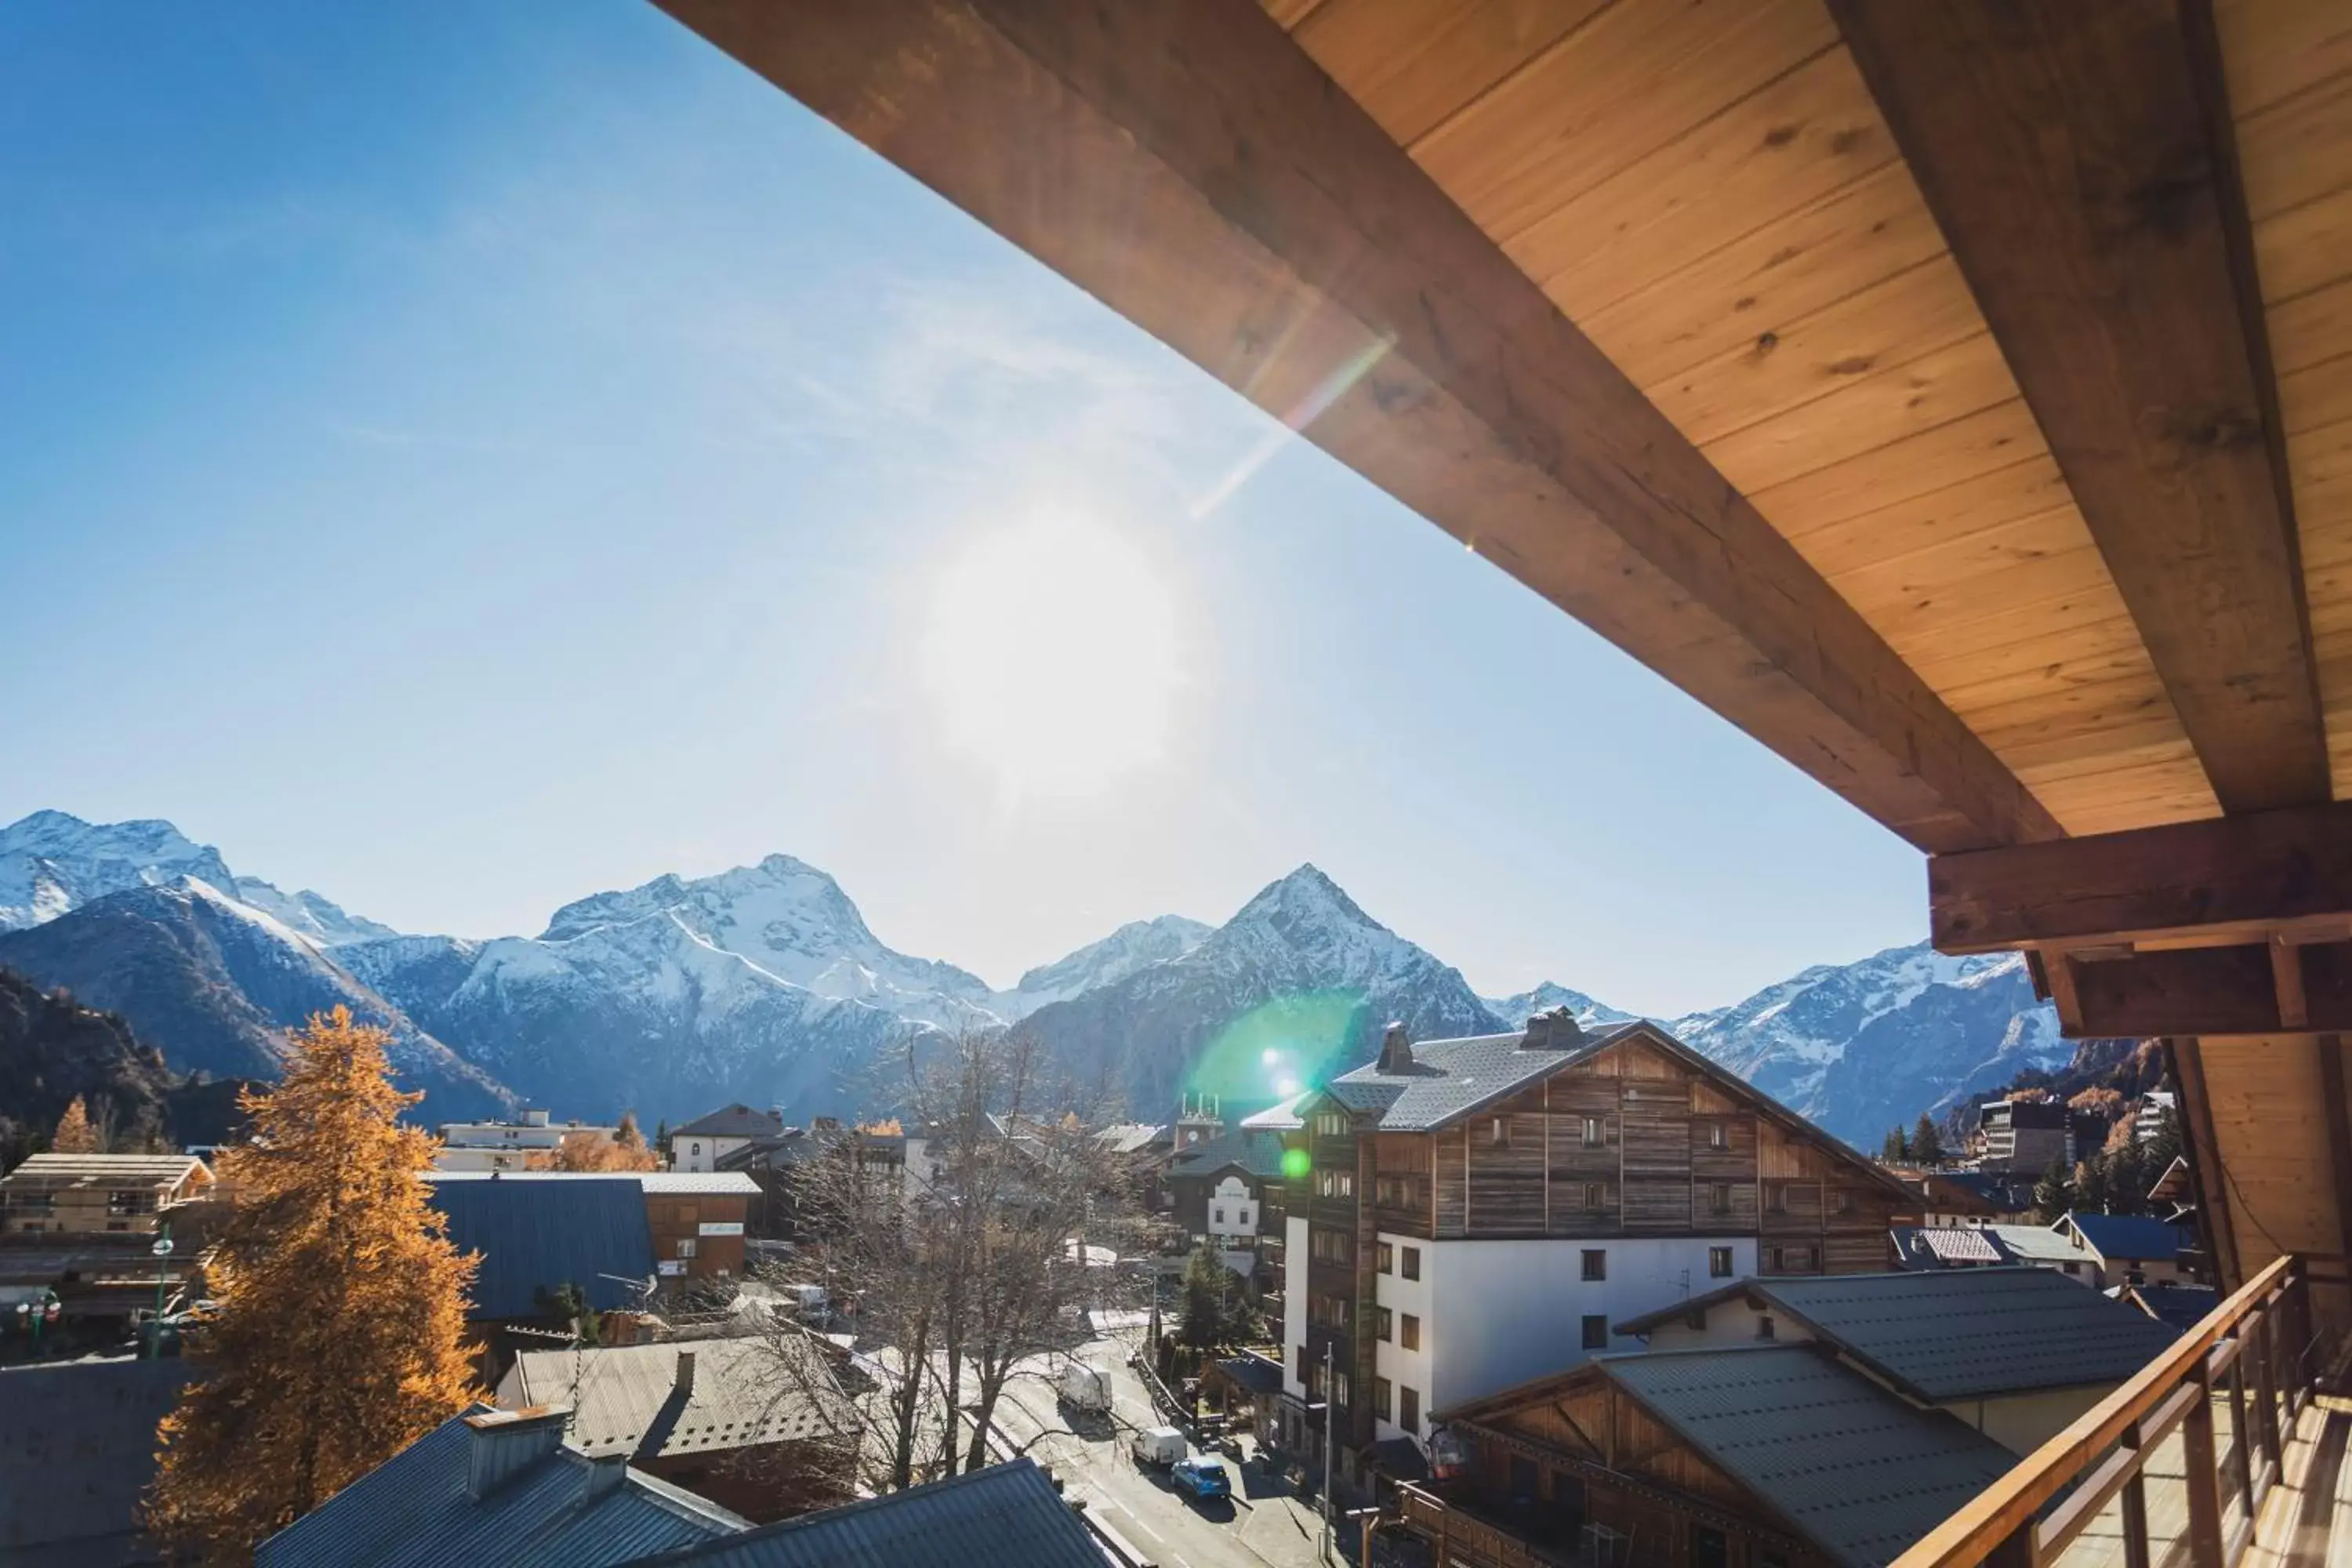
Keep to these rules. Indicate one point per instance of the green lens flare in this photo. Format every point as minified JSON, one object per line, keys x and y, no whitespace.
{"x":1279,"y":1047}
{"x":1296,"y":1164}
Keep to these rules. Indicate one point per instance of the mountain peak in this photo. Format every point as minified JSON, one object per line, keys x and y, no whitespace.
{"x":52,"y":862}
{"x":1307,"y":894}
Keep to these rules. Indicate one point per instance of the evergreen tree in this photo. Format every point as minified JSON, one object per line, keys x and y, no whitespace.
{"x":1927,"y":1144}
{"x":76,"y":1134}
{"x":2053,"y":1194}
{"x":2165,"y":1147}
{"x":1896,"y":1150}
{"x":337,"y":1339}
{"x":1208,"y":1286}
{"x":2128,"y":1179}
{"x":2092,"y":1195}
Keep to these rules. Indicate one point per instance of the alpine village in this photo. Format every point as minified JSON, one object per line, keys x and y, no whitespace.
{"x":1944,"y":394}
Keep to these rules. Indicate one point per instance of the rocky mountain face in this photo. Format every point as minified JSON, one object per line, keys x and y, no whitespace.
{"x":54,"y":1050}
{"x":765,"y":984}
{"x":216,"y":984}
{"x":1321,"y":973}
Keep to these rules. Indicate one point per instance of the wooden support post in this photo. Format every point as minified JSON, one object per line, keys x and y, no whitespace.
{"x":2015,"y":1550}
{"x":2266,"y":1340}
{"x":2134,"y":1507}
{"x":2243,"y":1445}
{"x":2286,"y":979}
{"x":2204,"y":1478}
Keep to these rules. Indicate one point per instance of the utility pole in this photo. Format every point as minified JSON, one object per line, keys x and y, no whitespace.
{"x":1330,"y":1450}
{"x":162,"y":1251}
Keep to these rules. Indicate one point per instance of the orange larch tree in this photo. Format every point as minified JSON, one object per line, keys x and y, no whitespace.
{"x":75,"y":1134}
{"x":338,"y":1335}
{"x":624,"y":1151}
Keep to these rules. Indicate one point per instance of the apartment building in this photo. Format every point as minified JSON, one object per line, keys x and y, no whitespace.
{"x":1476,"y":1213}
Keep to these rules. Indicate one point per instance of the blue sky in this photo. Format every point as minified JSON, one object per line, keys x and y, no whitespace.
{"x":461,"y":457}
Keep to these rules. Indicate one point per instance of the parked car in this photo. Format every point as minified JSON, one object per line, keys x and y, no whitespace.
{"x":1201,"y":1479}
{"x":1158,"y":1445}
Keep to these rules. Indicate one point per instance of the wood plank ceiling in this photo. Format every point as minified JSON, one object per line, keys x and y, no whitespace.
{"x":1709,"y":191}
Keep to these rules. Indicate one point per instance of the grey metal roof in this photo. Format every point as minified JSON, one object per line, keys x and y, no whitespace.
{"x":1256,"y":1149}
{"x":659,"y":1183}
{"x":1450,"y":1078}
{"x":1949,"y":1247}
{"x":412,"y":1511}
{"x":624,"y":1399}
{"x":2130,"y":1236}
{"x":1254,"y":1373}
{"x":110,"y":1170}
{"x":77,"y":1448}
{"x":733,"y":1122}
{"x":2182,"y":1306}
{"x":1851,"y":1467}
{"x":589,"y":1231}
{"x":1961,"y":1333}
{"x":1282,"y":1118}
{"x":1006,"y":1516}
{"x":2038,"y":1243}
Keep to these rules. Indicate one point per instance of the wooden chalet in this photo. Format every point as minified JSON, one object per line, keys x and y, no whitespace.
{"x":1955,"y":397}
{"x":1478,"y":1212}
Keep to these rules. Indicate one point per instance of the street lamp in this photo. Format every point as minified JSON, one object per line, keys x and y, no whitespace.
{"x":162,"y":1251}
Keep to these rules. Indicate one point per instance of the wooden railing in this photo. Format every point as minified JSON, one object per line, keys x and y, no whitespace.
{"x":2249,"y":1360}
{"x":1460,"y":1536}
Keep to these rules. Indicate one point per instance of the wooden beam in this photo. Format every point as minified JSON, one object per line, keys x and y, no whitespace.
{"x":2286,"y":980}
{"x":2205,"y":1175}
{"x":2207,"y":991}
{"x":2080,"y":161}
{"x":2256,"y":873}
{"x":1188,"y":164}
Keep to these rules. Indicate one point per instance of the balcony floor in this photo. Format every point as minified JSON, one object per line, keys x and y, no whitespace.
{"x":2307,"y":1521}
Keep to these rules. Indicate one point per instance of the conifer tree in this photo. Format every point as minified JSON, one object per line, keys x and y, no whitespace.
{"x":2053,"y":1194}
{"x":76,"y":1134}
{"x":1927,"y":1144}
{"x":341,"y":1306}
{"x":1896,"y":1150}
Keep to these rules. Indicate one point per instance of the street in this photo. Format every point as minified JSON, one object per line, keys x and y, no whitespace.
{"x":1262,"y":1525}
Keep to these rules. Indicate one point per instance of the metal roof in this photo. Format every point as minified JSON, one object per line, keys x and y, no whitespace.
{"x":412,"y":1511}
{"x":1006,"y":1516}
{"x":589,"y":1231}
{"x":1254,"y":1373}
{"x":1282,"y":1118}
{"x":2130,"y":1236}
{"x":1452,"y":1078}
{"x":733,"y":1122}
{"x":77,"y":1450}
{"x":1961,"y":1333}
{"x":1849,"y":1465}
{"x":1256,"y":1149}
{"x":624,"y":1399}
{"x":2037,"y":1244}
{"x":656,"y":1183}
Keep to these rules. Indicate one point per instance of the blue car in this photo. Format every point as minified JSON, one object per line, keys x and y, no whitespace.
{"x":1203,"y":1478}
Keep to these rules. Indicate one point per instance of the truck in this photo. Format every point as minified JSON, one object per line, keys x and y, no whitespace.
{"x":1083,"y":1390}
{"x":1158,"y":1447}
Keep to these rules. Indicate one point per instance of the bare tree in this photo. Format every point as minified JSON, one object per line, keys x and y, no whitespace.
{"x":972,"y":1263}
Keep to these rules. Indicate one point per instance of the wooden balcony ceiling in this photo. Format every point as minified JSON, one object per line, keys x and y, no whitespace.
{"x":1957,"y":398}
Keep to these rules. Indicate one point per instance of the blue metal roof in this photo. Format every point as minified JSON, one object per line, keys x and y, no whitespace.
{"x":537,"y":1235}
{"x":77,"y":1450}
{"x":1851,"y":1467}
{"x":1007,"y":1516}
{"x":2140,"y":1237}
{"x":412,"y":1511}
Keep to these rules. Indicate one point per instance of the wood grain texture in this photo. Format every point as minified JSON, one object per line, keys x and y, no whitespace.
{"x":1192,"y":166}
{"x":2074,"y":160}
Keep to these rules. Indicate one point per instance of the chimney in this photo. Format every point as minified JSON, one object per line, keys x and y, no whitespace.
{"x":685,"y":1379}
{"x":605,"y":1474}
{"x":1557,"y":1030}
{"x":534,"y":1117}
{"x":1396,"y":1049}
{"x":501,"y":1444}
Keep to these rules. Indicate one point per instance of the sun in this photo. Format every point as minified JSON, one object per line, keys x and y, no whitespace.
{"x":1051,"y":650}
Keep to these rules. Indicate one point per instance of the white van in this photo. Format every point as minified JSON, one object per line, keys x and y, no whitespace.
{"x":1158,"y":1445}
{"x":1083,"y":1389}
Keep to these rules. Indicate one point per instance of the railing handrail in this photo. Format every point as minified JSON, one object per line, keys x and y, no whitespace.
{"x":1971,"y":1534}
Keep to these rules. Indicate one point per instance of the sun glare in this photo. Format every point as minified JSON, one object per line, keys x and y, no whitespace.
{"x":1050,"y":648}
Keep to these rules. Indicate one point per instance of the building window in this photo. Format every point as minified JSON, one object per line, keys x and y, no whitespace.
{"x":1596,"y":1196}
{"x":1523,"y":1478}
{"x":1844,"y":1201}
{"x":1775,"y":1196}
{"x":1718,"y":1263}
{"x":1718,"y":1197}
{"x":1596,"y":1263}
{"x":1764,"y":1326}
{"x":1308,"y":1370}
{"x":1386,"y":1258}
{"x":1719,"y":1135}
{"x":1397,"y":1191}
{"x":1327,"y":1246}
{"x":1383,"y":1325}
{"x":1381,"y":1398}
{"x":1596,"y":1331}
{"x":1340,"y":1390}
{"x":1780,"y":1260}
{"x":1335,"y":1183}
{"x":1812,"y":1259}
{"x":1707,"y":1549}
{"x":1409,"y":1408}
{"x":1220,"y":1215}
{"x":1412,"y":1327}
{"x":1499,"y":1131}
{"x":1330,"y":1124}
{"x":1412,"y":1263}
{"x":1592,"y":1132}
{"x":686,"y":1247}
{"x":1328,"y":1311}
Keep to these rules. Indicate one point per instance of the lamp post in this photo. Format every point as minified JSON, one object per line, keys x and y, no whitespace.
{"x":162,"y":1251}
{"x":1330,"y":1448}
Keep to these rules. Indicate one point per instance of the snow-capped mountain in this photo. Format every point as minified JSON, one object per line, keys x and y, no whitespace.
{"x":214,"y":984}
{"x":310,"y":914}
{"x":1588,"y":1011}
{"x":51,"y":864}
{"x":1136,"y":945}
{"x":1300,"y":981}
{"x":1860,"y":1048}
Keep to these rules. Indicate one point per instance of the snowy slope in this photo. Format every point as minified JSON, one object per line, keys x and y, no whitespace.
{"x":51,"y":863}
{"x":319,"y":919}
{"x":1136,"y":945}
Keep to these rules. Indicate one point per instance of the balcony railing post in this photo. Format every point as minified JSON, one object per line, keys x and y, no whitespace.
{"x":2015,"y":1550}
{"x":2134,"y":1506}
{"x":2204,"y":1478}
{"x":2266,"y":1414}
